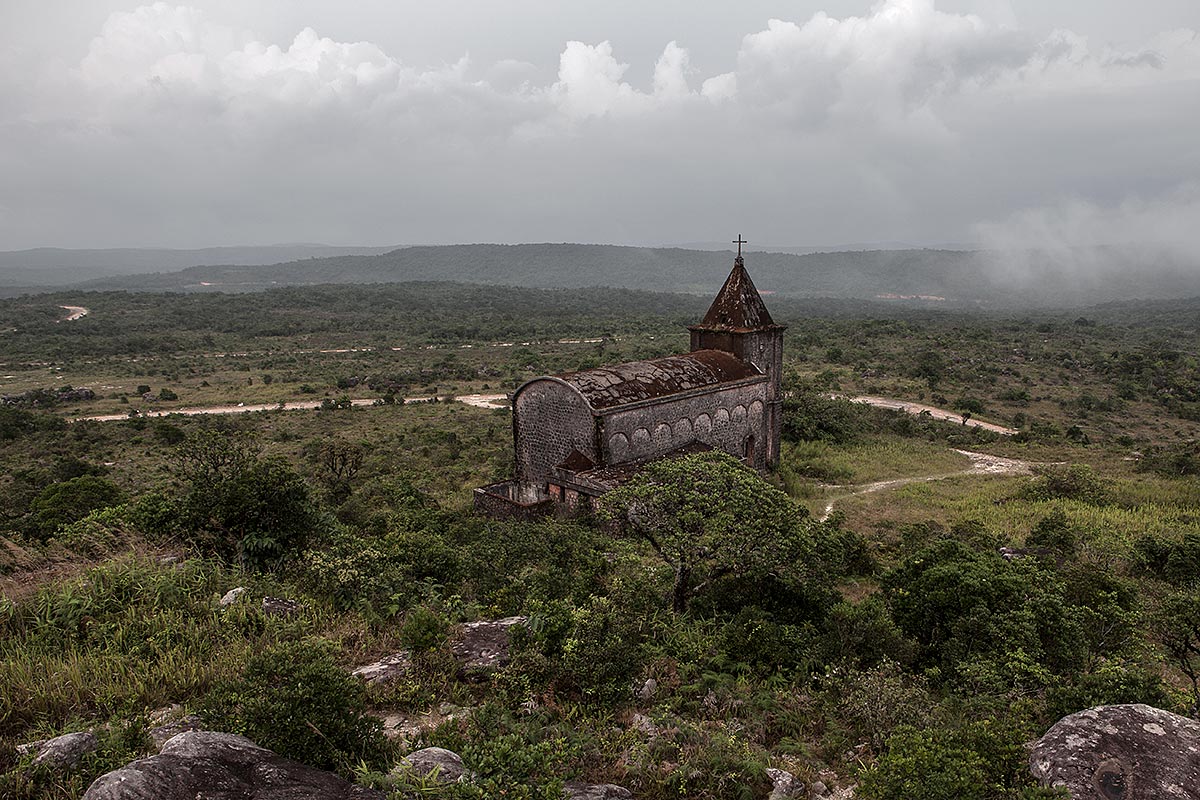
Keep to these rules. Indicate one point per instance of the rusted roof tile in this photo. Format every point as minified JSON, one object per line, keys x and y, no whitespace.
{"x":738,"y":306}
{"x":606,"y":387}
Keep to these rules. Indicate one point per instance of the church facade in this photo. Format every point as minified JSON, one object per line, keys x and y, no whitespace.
{"x":580,"y":434}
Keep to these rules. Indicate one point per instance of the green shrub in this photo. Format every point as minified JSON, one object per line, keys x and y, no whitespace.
{"x":590,"y":652}
{"x":968,"y":609}
{"x":293,"y":698}
{"x":423,"y":630}
{"x":864,"y":635}
{"x":978,"y":761}
{"x":810,"y":416}
{"x":72,"y":500}
{"x":1076,"y":482}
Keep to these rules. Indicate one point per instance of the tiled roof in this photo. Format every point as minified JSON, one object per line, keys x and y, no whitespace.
{"x":607,"y":387}
{"x":738,"y":306}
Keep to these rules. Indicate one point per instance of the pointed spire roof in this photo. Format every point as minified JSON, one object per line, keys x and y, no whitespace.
{"x":738,"y":306}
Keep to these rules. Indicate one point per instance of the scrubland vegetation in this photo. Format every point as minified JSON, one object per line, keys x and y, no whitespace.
{"x":910,"y":643}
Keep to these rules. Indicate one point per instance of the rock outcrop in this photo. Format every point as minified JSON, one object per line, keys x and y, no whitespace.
{"x":66,"y":750}
{"x":574,"y":790}
{"x":386,"y":669}
{"x":281,"y":607}
{"x":434,"y":763}
{"x":221,"y":766}
{"x":483,"y":646}
{"x":1122,"y":752}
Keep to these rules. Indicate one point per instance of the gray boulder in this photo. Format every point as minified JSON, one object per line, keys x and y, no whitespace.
{"x":483,"y":646}
{"x":221,"y":766}
{"x":66,"y":750}
{"x":386,"y":669}
{"x":574,"y":790}
{"x":168,"y":722}
{"x":232,"y":596}
{"x":281,"y":607}
{"x":1122,"y":752}
{"x":783,"y":784}
{"x":434,"y":763}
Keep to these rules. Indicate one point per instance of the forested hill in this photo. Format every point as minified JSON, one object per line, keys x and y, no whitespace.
{"x":55,"y":266}
{"x":937,"y":277}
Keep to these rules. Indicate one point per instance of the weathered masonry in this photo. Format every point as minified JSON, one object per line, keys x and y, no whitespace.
{"x":578,"y":435}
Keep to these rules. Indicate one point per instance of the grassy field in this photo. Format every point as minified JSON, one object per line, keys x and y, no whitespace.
{"x":108,"y":606}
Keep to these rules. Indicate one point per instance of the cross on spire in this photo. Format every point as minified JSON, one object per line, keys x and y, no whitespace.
{"x":739,"y":242}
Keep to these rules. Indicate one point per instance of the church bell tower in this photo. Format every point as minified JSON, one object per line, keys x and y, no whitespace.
{"x":738,"y":323}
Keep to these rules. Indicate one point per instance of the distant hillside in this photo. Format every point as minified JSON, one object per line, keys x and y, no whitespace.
{"x":53,"y":266}
{"x":942,"y":278}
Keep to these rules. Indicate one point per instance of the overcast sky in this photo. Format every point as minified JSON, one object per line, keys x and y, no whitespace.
{"x":809,"y":122}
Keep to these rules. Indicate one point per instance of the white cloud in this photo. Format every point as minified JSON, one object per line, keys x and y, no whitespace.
{"x":1170,"y":221}
{"x":903,"y":123}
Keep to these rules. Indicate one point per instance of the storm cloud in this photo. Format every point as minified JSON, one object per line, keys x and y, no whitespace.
{"x":176,"y":126}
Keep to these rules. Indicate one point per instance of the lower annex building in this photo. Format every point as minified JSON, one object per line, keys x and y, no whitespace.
{"x":580,"y":434}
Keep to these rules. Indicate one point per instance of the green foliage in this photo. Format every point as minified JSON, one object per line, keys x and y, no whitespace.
{"x":1076,"y":482}
{"x":590,"y":652}
{"x":809,"y":415}
{"x":423,"y":630}
{"x":977,"y":761}
{"x":1177,"y":624}
{"x":18,"y":422}
{"x":867,"y":705}
{"x":238,"y":506}
{"x":993,"y":624}
{"x":118,"y":743}
{"x":708,"y":517}
{"x":70,"y":500}
{"x":1173,"y":460}
{"x":1175,"y":561}
{"x":864,"y":635}
{"x":295,"y":699}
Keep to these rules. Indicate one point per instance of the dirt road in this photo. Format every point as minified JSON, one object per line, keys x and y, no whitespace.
{"x":981,"y":464}
{"x":916,"y":409}
{"x":74,"y":313}
{"x":477,"y":400}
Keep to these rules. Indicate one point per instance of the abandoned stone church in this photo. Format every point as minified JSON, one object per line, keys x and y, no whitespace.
{"x":581,"y":434}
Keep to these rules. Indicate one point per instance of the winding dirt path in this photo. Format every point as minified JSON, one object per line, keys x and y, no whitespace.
{"x":477,"y":400}
{"x":981,"y":464}
{"x":917,"y":409}
{"x":74,"y":313}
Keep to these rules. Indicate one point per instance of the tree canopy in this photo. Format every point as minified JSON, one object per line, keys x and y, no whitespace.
{"x":708,"y":516}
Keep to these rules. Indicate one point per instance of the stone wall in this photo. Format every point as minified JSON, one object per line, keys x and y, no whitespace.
{"x":724,"y":418}
{"x":550,"y":419}
{"x":763,"y":349}
{"x":504,"y":501}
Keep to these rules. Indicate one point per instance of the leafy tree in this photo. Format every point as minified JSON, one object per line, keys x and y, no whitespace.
{"x":990,"y":622}
{"x":71,"y":500}
{"x":293,"y":698}
{"x":1178,"y":626}
{"x":339,"y":462}
{"x":808,"y":415}
{"x":976,"y":762}
{"x":240,"y":506}
{"x":708,"y":516}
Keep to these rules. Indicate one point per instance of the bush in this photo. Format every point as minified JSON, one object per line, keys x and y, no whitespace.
{"x":864,"y":635}
{"x":1076,"y":482}
{"x":979,"y":761}
{"x":967,"y":609}
{"x":71,"y":500}
{"x":809,"y":416}
{"x":294,"y":699}
{"x":423,"y":630}
{"x":590,"y":652}
{"x":255,"y":511}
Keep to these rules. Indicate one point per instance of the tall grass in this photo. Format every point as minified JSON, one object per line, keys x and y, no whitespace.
{"x":127,"y":636}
